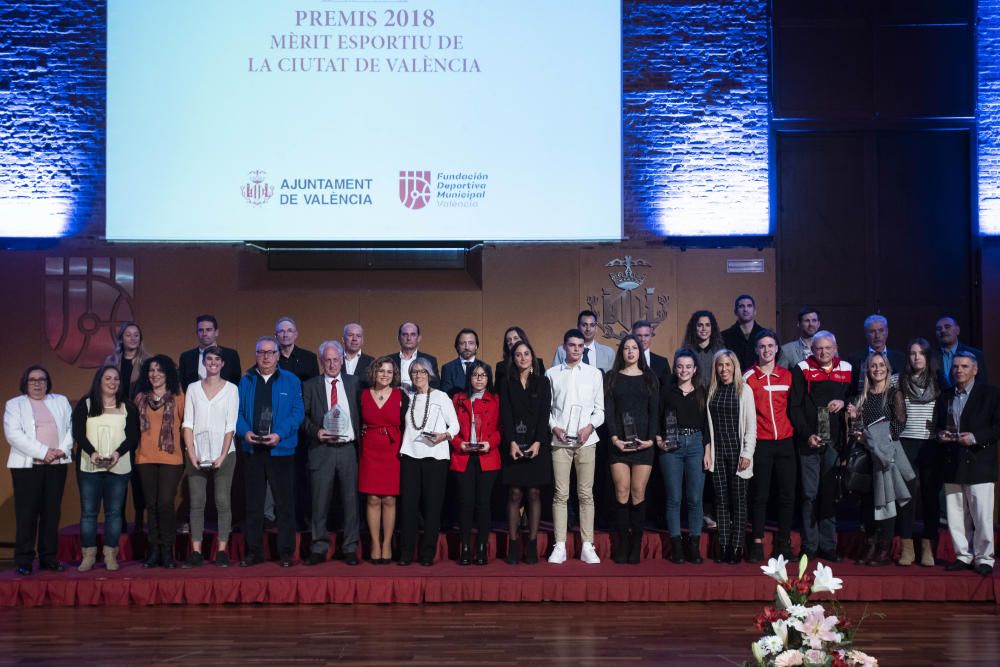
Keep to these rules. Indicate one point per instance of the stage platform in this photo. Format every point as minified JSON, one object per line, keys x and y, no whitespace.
{"x":655,"y":579}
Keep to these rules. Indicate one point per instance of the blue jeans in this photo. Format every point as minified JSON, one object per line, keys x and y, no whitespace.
{"x":684,"y":470}
{"x":95,"y":487}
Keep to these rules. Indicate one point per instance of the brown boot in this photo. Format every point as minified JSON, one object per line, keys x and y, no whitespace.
{"x":110,"y":560}
{"x":907,"y":556}
{"x":927,"y":553}
{"x":89,"y":559}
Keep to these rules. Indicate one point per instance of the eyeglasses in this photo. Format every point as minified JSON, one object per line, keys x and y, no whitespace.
{"x":266,"y":353}
{"x":418,"y":372}
{"x":37,"y":380}
{"x":479,"y":376}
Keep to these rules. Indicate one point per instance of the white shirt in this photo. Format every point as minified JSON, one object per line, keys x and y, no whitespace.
{"x":202,"y":373}
{"x":649,"y":361}
{"x":414,"y":444}
{"x":341,"y":401}
{"x":351,"y":363}
{"x":216,"y":416}
{"x":404,"y":367}
{"x":581,"y":385}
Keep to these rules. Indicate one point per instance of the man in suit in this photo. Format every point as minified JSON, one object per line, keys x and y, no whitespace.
{"x":293,"y":358}
{"x":797,"y":350}
{"x":740,"y":337}
{"x":356,"y":362}
{"x":409,"y":344}
{"x":877,"y":335}
{"x":333,"y":451}
{"x":947,"y":331}
{"x":970,"y":462}
{"x":192,"y":363}
{"x":453,"y":373}
{"x":594,"y":354}
{"x":643,"y":331}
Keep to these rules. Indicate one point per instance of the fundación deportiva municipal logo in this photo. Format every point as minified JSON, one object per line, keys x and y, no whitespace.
{"x":256,"y":190}
{"x":415,"y":189}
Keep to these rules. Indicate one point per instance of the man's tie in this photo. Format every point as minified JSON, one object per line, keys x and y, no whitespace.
{"x":465,"y":366}
{"x":333,"y":393}
{"x":586,"y":355}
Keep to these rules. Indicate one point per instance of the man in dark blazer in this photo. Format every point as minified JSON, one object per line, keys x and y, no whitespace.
{"x":356,"y":362}
{"x":947,"y":331}
{"x":409,"y":342}
{"x":294,"y":359}
{"x":877,"y":336}
{"x":643,"y":331}
{"x":192,"y":367}
{"x":970,"y":462}
{"x":333,"y":454}
{"x":453,"y":373}
{"x":740,"y":337}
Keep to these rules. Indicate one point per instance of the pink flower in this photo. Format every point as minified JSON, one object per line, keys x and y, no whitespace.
{"x":817,"y":628}
{"x":861,"y":659}
{"x":788,"y":658}
{"x":814,"y":656}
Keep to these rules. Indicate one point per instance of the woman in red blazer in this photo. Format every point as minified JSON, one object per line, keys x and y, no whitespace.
{"x":475,"y":458}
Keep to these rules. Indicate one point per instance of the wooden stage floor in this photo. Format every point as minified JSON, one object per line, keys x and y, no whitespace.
{"x":689,"y":634}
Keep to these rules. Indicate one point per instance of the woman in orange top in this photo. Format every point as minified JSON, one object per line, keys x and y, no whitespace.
{"x":475,"y":458}
{"x":160,"y":456}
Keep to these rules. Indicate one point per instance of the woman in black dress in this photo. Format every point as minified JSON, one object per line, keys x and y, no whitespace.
{"x":510,"y":337}
{"x":631,"y":413}
{"x":525,"y":400}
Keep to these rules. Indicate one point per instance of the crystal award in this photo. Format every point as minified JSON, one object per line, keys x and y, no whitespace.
{"x":671,"y":432}
{"x":631,"y":439}
{"x":823,"y":426}
{"x":337,"y":421}
{"x":954,"y":419}
{"x":264,"y":423}
{"x":473,"y":445}
{"x":521,"y":437}
{"x":203,"y":447}
{"x":105,"y":447}
{"x":433,"y":416}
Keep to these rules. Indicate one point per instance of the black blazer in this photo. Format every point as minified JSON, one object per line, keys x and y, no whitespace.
{"x":945,"y":373}
{"x":661,"y":369}
{"x":303,"y":364}
{"x":435,"y":383}
{"x":188,"y":366}
{"x":453,"y":377}
{"x":981,"y":417}
{"x":316,"y":403}
{"x":361,"y":370}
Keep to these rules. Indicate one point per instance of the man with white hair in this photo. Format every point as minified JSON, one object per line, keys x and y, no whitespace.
{"x":877,"y":336}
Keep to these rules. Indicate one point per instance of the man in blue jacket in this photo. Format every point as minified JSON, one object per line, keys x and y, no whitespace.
{"x":268,"y":423}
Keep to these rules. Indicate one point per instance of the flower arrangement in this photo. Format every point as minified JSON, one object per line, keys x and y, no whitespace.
{"x":796,"y":633}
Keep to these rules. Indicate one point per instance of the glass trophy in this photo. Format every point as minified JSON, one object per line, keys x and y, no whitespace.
{"x":855,"y":426}
{"x":433,"y":416}
{"x":671,"y":432}
{"x":336,"y":421}
{"x":953,"y":421}
{"x":105,"y":448}
{"x":573,"y":426}
{"x":264,"y":423}
{"x":631,"y":440}
{"x":521,"y":437}
{"x":204,"y":449}
{"x":473,"y":445}
{"x":823,"y":426}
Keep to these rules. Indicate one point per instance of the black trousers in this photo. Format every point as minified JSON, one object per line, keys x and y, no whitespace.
{"x":925,"y":459}
{"x":475,"y":488}
{"x":138,"y":501}
{"x":422,"y":486}
{"x":774,"y":465}
{"x":262,"y":468}
{"x":38,"y":493}
{"x":159,"y":484}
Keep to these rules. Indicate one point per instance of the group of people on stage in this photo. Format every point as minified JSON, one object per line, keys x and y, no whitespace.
{"x":758,"y":418}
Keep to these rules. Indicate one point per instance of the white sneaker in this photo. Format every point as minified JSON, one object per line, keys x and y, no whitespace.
{"x":709,"y":523}
{"x":588,"y":554}
{"x":558,"y":553}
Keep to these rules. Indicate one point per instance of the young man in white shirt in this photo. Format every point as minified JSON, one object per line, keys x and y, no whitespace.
{"x":577,"y":410}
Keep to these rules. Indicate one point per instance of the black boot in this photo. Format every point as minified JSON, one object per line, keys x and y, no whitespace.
{"x":638,"y":517}
{"x":692,"y":552}
{"x":531,"y":552}
{"x":869,"y":554}
{"x":167,"y":556}
{"x":756,"y":552}
{"x":725,"y":554}
{"x":481,"y":558}
{"x":620,"y":546}
{"x":737,"y":555}
{"x":466,"y":556}
{"x":782,"y":547}
{"x":676,"y":550}
{"x":514,"y":552}
{"x":153,"y":559}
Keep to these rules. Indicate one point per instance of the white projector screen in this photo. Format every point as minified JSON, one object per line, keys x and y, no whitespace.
{"x":354,"y":120}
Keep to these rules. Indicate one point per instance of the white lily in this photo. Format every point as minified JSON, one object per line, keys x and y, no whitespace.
{"x":803,"y":565}
{"x":758,"y":654}
{"x":780,"y":628}
{"x":824,"y":581}
{"x":775,"y":569}
{"x":783,"y":601}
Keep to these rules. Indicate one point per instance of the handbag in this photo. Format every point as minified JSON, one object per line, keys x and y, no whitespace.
{"x":858,"y":471}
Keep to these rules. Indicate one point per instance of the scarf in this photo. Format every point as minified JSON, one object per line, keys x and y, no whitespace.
{"x":146,"y":402}
{"x":917,"y":392}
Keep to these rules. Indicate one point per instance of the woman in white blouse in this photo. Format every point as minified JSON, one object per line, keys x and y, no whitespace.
{"x":209,"y":424}
{"x":430,"y":422}
{"x":38,"y":427}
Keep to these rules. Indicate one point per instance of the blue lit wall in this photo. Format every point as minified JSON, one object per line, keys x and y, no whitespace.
{"x":695,"y":118}
{"x":988,"y":115}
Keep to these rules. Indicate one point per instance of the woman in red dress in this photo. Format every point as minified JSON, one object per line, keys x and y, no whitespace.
{"x":382,"y":409}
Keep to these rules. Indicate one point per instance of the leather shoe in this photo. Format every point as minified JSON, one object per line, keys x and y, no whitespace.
{"x":286,"y":561}
{"x":314,"y":559}
{"x":427,"y":561}
{"x":403,"y":562}
{"x":24,"y":570}
{"x":829,"y":556}
{"x":351,"y":558}
{"x":984,"y":570}
{"x":958,"y":566}
{"x":251,"y":560}
{"x":54,"y":566}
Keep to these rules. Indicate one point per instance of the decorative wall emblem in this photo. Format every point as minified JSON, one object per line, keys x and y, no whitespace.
{"x":256,"y":190}
{"x":415,"y":189}
{"x":86,"y":300}
{"x":617,"y":312}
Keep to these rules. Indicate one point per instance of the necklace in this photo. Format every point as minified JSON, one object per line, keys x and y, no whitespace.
{"x":380,"y":398}
{"x":427,"y":408}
